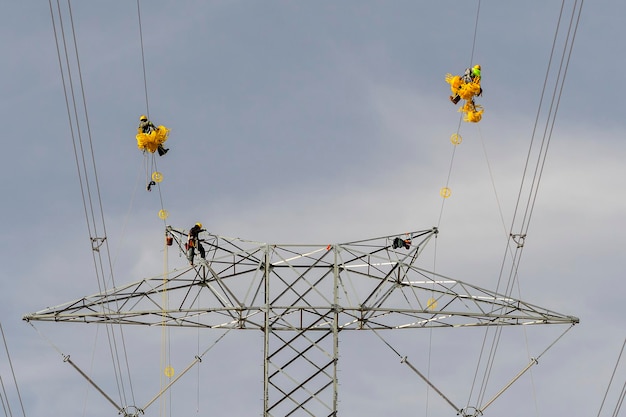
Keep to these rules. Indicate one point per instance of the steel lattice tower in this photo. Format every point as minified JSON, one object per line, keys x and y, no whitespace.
{"x":301,"y":297}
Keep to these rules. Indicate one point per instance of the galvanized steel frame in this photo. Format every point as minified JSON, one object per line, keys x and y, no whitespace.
{"x":301,"y":296}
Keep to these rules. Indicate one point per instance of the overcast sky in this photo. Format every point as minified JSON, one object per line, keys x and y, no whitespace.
{"x":315,"y":122}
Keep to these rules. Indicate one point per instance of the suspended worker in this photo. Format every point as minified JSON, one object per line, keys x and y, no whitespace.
{"x":152,"y":135}
{"x":472,"y":77}
{"x":194,"y":242}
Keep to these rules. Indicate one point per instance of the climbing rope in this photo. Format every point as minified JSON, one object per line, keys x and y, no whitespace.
{"x":456,"y":137}
{"x":154,"y":178}
{"x":445,"y":192}
{"x":167,"y":370}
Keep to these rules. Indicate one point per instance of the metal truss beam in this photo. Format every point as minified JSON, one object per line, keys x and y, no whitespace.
{"x":301,"y":296}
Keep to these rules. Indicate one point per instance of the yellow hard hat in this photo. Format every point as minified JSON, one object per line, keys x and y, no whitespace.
{"x":199,"y":225}
{"x":143,"y":117}
{"x":477,"y":66}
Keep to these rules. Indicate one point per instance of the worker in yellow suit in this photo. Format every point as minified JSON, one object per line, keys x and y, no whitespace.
{"x":151,"y":137}
{"x":469,"y":84}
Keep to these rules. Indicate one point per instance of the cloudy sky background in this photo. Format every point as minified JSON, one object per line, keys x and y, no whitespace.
{"x":315,"y":122}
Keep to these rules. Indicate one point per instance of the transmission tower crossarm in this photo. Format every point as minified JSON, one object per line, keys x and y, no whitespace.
{"x":291,"y":292}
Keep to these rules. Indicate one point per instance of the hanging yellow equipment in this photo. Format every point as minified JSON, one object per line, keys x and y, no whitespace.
{"x":473,"y":112}
{"x":150,"y":137}
{"x":467,"y":87}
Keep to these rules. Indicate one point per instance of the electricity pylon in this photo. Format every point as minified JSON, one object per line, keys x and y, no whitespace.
{"x":301,"y":297}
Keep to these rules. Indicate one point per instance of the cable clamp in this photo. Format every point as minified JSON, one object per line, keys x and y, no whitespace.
{"x":96,"y":242}
{"x":518,"y":239}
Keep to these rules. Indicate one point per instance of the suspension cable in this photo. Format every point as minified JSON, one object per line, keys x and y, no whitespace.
{"x":94,"y":221}
{"x":611,"y":381}
{"x":143,"y":61}
{"x":19,"y":396}
{"x":518,"y":238}
{"x":113,"y":339}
